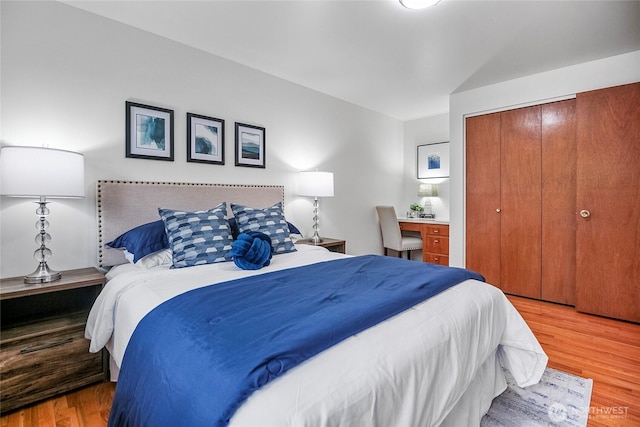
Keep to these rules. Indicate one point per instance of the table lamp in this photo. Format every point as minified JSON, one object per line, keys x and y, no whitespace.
{"x":41,"y":173}
{"x":315,"y":184}
{"x":428,"y":190}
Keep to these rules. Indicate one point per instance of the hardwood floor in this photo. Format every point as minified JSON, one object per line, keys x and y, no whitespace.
{"x":86,"y":407}
{"x":605,"y":350}
{"x":608,"y":351}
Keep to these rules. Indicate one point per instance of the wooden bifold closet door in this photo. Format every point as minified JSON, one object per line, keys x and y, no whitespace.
{"x":483,"y":196}
{"x":520,"y":229}
{"x":520,"y":200}
{"x":558,"y":200}
{"x":553,"y":201}
{"x":608,"y":238}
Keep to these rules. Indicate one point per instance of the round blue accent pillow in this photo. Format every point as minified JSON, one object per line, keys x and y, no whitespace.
{"x":252,"y":250}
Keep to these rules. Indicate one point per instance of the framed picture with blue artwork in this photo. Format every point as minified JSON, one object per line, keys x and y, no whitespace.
{"x":250,"y":145}
{"x":149,"y":132}
{"x":433,"y":160}
{"x":205,"y":139}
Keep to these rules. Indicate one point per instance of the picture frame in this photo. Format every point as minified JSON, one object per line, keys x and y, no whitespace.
{"x":250,"y":145}
{"x":433,"y":160}
{"x":149,"y":132}
{"x":205,"y":139}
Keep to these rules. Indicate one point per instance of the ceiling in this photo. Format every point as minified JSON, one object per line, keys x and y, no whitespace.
{"x":381,"y":56}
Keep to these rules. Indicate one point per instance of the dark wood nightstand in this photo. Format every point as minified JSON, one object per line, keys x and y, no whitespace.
{"x":43,"y":351}
{"x":334,"y":245}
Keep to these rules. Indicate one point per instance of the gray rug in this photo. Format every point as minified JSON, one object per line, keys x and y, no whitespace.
{"x":559,"y":399}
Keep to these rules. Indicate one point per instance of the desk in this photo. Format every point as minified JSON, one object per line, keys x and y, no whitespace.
{"x":435,"y":238}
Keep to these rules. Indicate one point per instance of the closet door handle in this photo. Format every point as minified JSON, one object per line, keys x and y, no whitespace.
{"x":498,"y":210}
{"x":585,"y":213}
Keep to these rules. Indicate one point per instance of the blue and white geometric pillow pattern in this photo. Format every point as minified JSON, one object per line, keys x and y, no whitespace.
{"x":270,"y":221}
{"x":201,"y":237}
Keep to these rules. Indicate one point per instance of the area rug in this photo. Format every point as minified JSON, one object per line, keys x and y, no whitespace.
{"x":559,"y":399}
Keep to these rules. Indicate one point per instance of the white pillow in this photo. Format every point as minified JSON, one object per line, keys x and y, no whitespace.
{"x":162,"y":257}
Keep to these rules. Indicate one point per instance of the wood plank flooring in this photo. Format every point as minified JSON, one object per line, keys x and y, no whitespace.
{"x":606,"y":350}
{"x":86,"y":407}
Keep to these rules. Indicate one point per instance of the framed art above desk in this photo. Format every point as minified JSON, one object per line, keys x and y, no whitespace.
{"x":433,"y":160}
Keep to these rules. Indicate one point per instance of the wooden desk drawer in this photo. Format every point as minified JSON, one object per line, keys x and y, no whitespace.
{"x":411,"y":226}
{"x":437,"y":259}
{"x":438,"y":245}
{"x":438,"y":230}
{"x":35,"y":365}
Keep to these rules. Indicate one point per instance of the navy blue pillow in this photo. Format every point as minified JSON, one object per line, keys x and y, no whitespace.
{"x":252,"y":250}
{"x":233,"y":225}
{"x":142,"y":240}
{"x":293,"y":229}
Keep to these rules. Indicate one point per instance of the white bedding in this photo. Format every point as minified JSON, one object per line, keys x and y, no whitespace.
{"x":410,"y":370}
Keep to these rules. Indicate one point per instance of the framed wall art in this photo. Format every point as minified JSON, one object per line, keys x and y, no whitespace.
{"x":205,"y":139}
{"x":250,"y":145}
{"x":149,"y":132}
{"x":433,"y":160}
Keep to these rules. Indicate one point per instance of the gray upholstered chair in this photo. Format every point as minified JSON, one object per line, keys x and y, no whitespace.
{"x":392,"y":237}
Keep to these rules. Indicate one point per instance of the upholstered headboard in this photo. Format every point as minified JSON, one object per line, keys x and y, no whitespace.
{"x":122,"y":205}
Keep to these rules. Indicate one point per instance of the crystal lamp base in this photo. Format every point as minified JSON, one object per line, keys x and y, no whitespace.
{"x":43,"y":274}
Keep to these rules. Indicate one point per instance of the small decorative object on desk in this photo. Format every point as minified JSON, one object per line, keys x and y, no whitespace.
{"x":427,"y":210}
{"x":415,"y":211}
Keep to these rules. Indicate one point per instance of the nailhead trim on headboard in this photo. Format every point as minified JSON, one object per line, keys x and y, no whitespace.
{"x":240,"y":193}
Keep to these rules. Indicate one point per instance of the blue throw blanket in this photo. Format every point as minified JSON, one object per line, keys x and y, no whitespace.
{"x":196,"y":358}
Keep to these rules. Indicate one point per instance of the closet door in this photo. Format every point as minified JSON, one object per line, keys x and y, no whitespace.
{"x":608,"y":199}
{"x":520,"y":181}
{"x":483,"y":196}
{"x":559,"y":202}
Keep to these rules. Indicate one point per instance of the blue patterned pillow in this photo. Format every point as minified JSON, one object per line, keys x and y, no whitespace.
{"x":270,"y":221}
{"x":201,"y":237}
{"x":235,"y":233}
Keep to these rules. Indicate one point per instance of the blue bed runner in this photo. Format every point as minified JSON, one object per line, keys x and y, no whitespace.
{"x":196,"y":358}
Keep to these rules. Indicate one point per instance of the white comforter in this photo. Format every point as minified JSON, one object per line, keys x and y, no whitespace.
{"x":410,"y":370}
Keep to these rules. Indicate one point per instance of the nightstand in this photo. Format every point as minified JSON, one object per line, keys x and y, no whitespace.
{"x":43,"y":351}
{"x":334,"y":245}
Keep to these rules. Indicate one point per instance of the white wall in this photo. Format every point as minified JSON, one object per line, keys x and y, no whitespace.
{"x":427,"y":130}
{"x":65,"y":77}
{"x":538,"y":88}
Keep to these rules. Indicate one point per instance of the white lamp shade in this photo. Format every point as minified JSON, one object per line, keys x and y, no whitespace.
{"x":315,"y":184}
{"x":36,"y":172}
{"x":418,"y":4}
{"x":428,"y":190}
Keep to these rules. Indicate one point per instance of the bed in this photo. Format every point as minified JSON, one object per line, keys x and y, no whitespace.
{"x":436,"y":362}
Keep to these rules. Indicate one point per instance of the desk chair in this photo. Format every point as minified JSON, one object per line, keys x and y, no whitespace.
{"x":392,"y":237}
